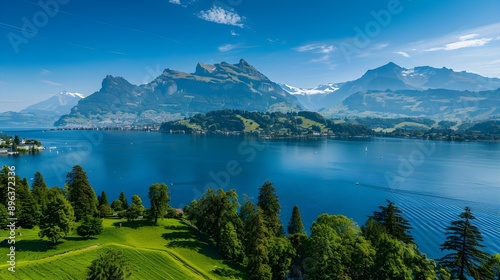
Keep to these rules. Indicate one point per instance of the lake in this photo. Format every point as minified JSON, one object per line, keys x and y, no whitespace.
{"x":430,"y":181}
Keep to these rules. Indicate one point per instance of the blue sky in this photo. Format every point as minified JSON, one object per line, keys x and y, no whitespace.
{"x":48,"y":46}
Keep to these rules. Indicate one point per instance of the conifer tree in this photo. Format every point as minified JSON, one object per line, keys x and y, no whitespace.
{"x":258,"y":259}
{"x":269,"y":203}
{"x":104,"y":208}
{"x":124,"y":201}
{"x":27,"y":210}
{"x":391,"y":218}
{"x":40,"y":191}
{"x":295,"y":225}
{"x":80,"y":194}
{"x":464,"y":241}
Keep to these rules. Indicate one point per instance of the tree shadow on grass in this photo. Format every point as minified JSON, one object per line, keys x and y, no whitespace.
{"x":38,"y":245}
{"x":134,"y":224}
{"x":177,"y":227}
{"x":188,"y":240}
{"x":79,"y":238}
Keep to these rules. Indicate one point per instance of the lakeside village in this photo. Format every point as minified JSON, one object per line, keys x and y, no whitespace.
{"x":14,"y":145}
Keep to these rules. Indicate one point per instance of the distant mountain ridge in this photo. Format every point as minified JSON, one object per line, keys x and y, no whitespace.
{"x":176,"y":94}
{"x":44,"y":113}
{"x":394,"y":77}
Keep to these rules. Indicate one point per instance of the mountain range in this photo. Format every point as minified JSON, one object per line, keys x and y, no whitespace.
{"x":388,"y":91}
{"x":393,"y":77}
{"x":42,"y":114}
{"x":175,"y":94}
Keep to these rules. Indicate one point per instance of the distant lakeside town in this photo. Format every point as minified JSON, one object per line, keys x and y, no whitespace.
{"x":14,"y":145}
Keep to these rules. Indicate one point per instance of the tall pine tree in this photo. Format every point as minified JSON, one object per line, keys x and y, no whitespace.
{"x":269,"y":203}
{"x":40,"y":190}
{"x":258,"y":257}
{"x":391,"y":218}
{"x":464,"y":241}
{"x":27,"y":211}
{"x":123,"y":199}
{"x":295,"y":225}
{"x":80,"y":194}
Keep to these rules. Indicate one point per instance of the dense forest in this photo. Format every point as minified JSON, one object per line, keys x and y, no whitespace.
{"x":253,"y":234}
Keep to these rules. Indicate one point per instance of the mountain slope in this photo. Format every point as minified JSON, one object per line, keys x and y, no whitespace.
{"x":437,"y":104}
{"x":176,"y":94}
{"x":42,"y":114}
{"x":394,"y":77}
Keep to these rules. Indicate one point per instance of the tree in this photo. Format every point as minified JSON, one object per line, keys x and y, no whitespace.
{"x":112,"y":264}
{"x":336,"y":250}
{"x":213,"y":211}
{"x":40,"y":190}
{"x":158,"y":196}
{"x":135,"y":210}
{"x":27,"y":210}
{"x":464,"y":241}
{"x":258,"y":257}
{"x":269,"y":203}
{"x":3,"y":216}
{"x":295,"y":225}
{"x":90,"y":226}
{"x":397,"y":226}
{"x":230,"y":245}
{"x":281,"y":253}
{"x":103,"y":199}
{"x":492,"y":267}
{"x":124,"y":201}
{"x":80,"y":194}
{"x":57,"y":219}
{"x":117,"y":205}
{"x":299,"y":242}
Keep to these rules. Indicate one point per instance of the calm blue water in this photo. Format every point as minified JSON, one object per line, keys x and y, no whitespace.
{"x":431,"y":182}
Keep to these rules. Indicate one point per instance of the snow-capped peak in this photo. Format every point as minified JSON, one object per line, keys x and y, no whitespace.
{"x":321,"y":89}
{"x":72,"y":94}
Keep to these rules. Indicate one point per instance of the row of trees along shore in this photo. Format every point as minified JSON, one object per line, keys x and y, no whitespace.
{"x":253,"y":234}
{"x":337,"y":248}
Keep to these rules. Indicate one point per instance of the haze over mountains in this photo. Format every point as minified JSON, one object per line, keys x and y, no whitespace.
{"x":42,"y":114}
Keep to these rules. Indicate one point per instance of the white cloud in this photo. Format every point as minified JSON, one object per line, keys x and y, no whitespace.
{"x":176,"y":2}
{"x":323,"y":49}
{"x":316,"y":48}
{"x":45,"y":72}
{"x":319,"y":48}
{"x":221,"y":16}
{"x":51,"y":83}
{"x":226,"y":47}
{"x":405,"y":54}
{"x":471,"y":38}
{"x":462,"y":44}
{"x":233,"y":33}
{"x":468,"y":37}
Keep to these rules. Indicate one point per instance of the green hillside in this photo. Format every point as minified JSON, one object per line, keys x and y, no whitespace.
{"x":170,"y":250}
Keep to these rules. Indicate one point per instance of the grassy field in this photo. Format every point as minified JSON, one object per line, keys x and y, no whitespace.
{"x":170,"y":250}
{"x":250,"y":125}
{"x":307,"y":123}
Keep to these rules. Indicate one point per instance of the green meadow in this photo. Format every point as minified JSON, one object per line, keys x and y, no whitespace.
{"x":170,"y":250}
